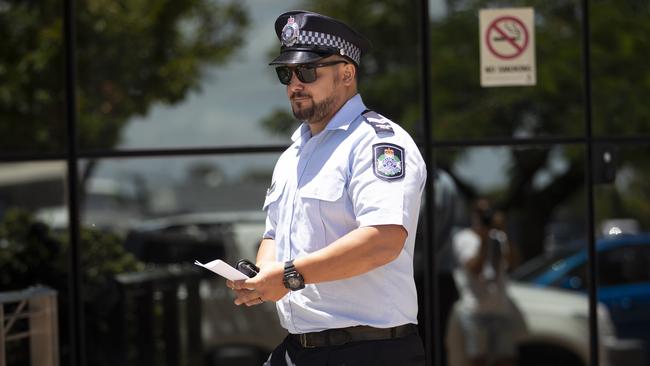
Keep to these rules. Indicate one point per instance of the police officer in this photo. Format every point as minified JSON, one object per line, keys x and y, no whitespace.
{"x":342,"y":211}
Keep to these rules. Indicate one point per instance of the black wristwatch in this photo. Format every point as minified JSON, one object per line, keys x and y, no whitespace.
{"x":292,"y":279}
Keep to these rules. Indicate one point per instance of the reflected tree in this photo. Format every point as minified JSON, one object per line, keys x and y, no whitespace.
{"x":32,"y":254}
{"x":134,"y":54}
{"x":130,"y":56}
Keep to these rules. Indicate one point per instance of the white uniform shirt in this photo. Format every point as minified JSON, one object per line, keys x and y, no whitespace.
{"x":327,"y":185}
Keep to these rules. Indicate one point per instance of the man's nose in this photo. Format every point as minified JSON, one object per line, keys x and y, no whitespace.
{"x":295,"y":83}
{"x":294,"y":79}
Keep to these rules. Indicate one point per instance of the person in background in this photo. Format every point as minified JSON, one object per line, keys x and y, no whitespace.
{"x":488,"y":319}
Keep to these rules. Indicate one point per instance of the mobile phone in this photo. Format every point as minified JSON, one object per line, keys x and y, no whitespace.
{"x":247,"y":267}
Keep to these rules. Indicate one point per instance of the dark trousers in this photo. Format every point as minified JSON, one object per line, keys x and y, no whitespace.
{"x":405,"y":351}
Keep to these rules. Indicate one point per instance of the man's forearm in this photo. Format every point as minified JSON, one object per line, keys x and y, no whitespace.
{"x":266,"y":251}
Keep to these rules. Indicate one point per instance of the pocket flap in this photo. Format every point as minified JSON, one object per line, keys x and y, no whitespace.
{"x":326,"y":188}
{"x":273,"y":193}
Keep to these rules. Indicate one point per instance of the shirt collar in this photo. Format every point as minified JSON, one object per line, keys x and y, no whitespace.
{"x":341,"y":120}
{"x":348,"y":113}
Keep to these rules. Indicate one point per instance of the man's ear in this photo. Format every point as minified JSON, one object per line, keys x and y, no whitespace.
{"x":349,"y":73}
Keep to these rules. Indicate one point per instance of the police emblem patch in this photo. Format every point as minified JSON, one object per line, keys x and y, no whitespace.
{"x":290,"y":32}
{"x":388,"y":161}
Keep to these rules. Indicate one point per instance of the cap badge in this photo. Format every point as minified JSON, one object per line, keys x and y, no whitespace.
{"x":290,"y":32}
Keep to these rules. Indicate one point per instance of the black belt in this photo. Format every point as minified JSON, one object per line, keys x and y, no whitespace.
{"x":340,"y":336}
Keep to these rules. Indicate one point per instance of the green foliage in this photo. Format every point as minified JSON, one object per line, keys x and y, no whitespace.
{"x":130,"y":55}
{"x":33,"y":254}
{"x":389,"y":74}
{"x":621,"y":84}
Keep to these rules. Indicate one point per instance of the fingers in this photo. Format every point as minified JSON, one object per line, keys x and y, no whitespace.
{"x":245,"y":293}
{"x":248,"y":298}
{"x":240,"y":285}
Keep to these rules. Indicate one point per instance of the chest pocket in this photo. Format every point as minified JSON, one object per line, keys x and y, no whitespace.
{"x":326,"y":187}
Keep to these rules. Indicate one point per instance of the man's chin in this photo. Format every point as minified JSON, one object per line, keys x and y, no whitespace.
{"x":304,"y":117}
{"x":303,"y":113}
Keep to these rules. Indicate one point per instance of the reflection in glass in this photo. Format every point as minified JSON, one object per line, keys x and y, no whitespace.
{"x":623,"y":246}
{"x":32,"y":88}
{"x":389,"y":76}
{"x":188,"y":74}
{"x":620,"y":43}
{"x":544,"y":219}
{"x":33,"y":253}
{"x":464,"y":110}
{"x":154,"y":217}
{"x":205,"y":81}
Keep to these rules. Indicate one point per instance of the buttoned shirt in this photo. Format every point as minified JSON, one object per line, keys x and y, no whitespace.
{"x":357,"y":172}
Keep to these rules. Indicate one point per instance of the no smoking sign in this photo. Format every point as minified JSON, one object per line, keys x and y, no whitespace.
{"x":506,"y":37}
{"x":507,"y":47}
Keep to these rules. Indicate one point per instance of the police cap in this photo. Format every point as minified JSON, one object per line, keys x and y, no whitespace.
{"x":307,"y":37}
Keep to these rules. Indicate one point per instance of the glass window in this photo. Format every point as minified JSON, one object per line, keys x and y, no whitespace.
{"x":576,"y":279}
{"x":34,"y":253}
{"x":177,"y":74}
{"x":539,"y":204}
{"x":197,"y":74}
{"x":625,"y":265}
{"x":621,"y":173}
{"x":149,"y":220}
{"x":390,"y":74}
{"x":622,"y":218}
{"x":463,"y":109}
{"x":32,"y":89}
{"x":620,"y":43}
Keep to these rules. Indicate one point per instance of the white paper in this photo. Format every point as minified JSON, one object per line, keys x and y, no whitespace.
{"x":223,"y":269}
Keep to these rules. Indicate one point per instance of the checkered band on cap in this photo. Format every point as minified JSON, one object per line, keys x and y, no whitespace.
{"x":329,"y":40}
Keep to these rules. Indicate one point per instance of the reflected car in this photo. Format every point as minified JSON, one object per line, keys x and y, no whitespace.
{"x":555,"y":331}
{"x":205,"y":236}
{"x":623,"y":279}
{"x":231,"y":335}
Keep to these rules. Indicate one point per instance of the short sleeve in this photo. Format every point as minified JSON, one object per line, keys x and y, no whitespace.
{"x":387,"y":178}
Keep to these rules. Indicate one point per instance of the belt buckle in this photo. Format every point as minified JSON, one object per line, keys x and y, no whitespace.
{"x":302,"y":339}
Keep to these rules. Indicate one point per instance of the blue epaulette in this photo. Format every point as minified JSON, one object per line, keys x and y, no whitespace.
{"x":377,"y":122}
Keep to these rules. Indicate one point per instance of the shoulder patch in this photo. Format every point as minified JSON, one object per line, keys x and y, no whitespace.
{"x":388,"y":161}
{"x":379,"y":123}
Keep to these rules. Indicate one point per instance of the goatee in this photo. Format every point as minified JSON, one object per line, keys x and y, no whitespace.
{"x":316,"y":112}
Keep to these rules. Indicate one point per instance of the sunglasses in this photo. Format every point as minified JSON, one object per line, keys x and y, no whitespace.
{"x":305,"y":73}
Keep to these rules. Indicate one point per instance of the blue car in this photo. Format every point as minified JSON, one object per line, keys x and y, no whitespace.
{"x":623,"y":279}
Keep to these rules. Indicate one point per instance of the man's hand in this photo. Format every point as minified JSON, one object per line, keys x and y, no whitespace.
{"x":266,"y":286}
